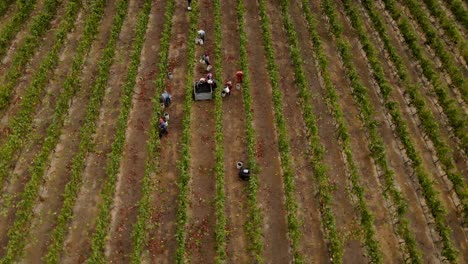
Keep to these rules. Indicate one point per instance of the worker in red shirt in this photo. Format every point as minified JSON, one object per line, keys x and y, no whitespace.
{"x":239,"y":76}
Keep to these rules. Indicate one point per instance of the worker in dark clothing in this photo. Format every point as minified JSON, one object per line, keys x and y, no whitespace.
{"x":244,"y":173}
{"x":165,"y":98}
{"x":189,"y":6}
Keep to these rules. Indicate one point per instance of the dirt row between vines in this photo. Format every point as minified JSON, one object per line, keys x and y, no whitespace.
{"x":10,"y":12}
{"x":162,"y":243}
{"x":27,"y":74}
{"x":21,"y":173}
{"x":23,"y":32}
{"x":77,"y":244}
{"x":45,"y":108}
{"x":234,"y":141}
{"x":270,"y":193}
{"x":58,"y":173}
{"x":132,"y":166}
{"x":426,"y":88}
{"x":442,"y":184}
{"x":201,"y":221}
{"x":409,"y":184}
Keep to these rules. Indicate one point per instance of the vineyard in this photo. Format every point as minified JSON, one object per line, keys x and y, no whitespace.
{"x":352,"y":117}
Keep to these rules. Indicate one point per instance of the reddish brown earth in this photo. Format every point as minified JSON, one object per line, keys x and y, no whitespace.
{"x":162,"y":244}
{"x":20,"y":35}
{"x":30,"y":69}
{"x":234,"y":141}
{"x":57,"y":175}
{"x":134,"y":157}
{"x":312,"y":244}
{"x":86,"y":209}
{"x":201,"y":211}
{"x":270,"y":195}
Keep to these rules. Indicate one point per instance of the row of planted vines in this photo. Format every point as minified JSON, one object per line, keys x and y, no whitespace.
{"x":377,"y":91}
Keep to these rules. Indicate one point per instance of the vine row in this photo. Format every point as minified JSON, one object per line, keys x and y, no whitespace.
{"x":184,"y":161}
{"x":139,"y":237}
{"x":255,"y":217}
{"x":436,"y":43}
{"x":392,"y":107}
{"x":4,"y":5}
{"x":428,"y":191}
{"x":325,"y":186}
{"x":40,"y":24}
{"x":283,"y":141}
{"x":20,"y":228}
{"x":87,"y":130}
{"x":220,"y":198}
{"x":459,"y":11}
{"x":9,"y":30}
{"x":428,"y":122}
{"x":457,"y":119}
{"x":21,"y":124}
{"x":449,"y":26}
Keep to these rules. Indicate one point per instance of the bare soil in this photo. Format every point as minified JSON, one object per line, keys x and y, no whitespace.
{"x":162,"y":244}
{"x":270,"y":195}
{"x":57,"y":175}
{"x":312,"y":245}
{"x":234,"y":141}
{"x":201,"y":211}
{"x":19,"y":36}
{"x":28,"y":72}
{"x":20,"y":173}
{"x":77,"y":244}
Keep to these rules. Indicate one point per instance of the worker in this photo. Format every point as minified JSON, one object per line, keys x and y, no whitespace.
{"x":201,"y":36}
{"x":209,"y":76}
{"x":165,"y":98}
{"x":189,"y":7}
{"x":205,"y":59}
{"x":226,"y":91}
{"x":202,"y":80}
{"x":239,"y":76}
{"x":244,"y":173}
{"x":163,"y":124}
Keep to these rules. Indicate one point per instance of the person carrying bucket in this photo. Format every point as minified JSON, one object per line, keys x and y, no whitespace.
{"x":189,"y":6}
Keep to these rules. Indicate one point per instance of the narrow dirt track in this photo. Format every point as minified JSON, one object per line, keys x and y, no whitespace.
{"x":57,"y":175}
{"x":134,"y":157}
{"x":44,"y":112}
{"x":367,"y":171}
{"x":162,"y":244}
{"x":20,"y":35}
{"x":369,"y":177}
{"x":201,"y":211}
{"x":234,"y":141}
{"x":453,"y":219}
{"x":9,"y":13}
{"x":77,"y":243}
{"x":31,"y":67}
{"x":424,"y":233}
{"x":385,"y":131}
{"x":61,"y":156}
{"x":426,"y":88}
{"x":312,"y":244}
{"x":346,"y":219}
{"x":270,"y":195}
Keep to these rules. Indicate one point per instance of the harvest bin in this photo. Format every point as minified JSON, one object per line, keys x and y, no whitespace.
{"x":203,"y":91}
